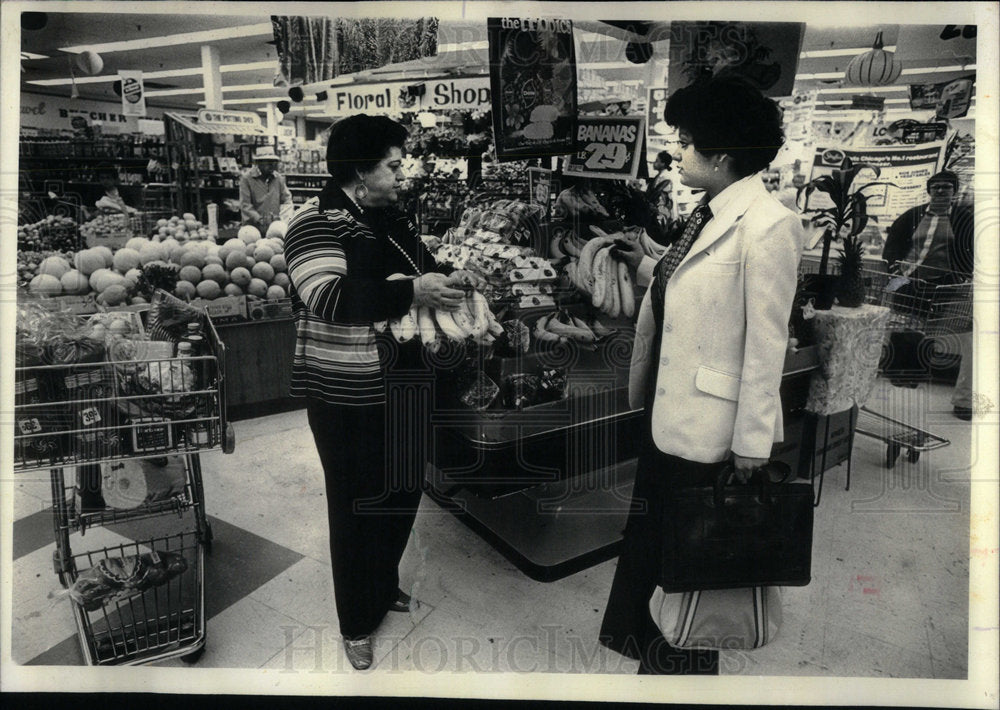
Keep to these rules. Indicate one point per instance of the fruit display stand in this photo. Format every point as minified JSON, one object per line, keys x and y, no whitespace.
{"x":112,"y":431}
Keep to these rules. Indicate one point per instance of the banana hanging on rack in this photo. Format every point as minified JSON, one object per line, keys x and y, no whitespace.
{"x":627,"y":291}
{"x":602,"y":261}
{"x":585,"y":268}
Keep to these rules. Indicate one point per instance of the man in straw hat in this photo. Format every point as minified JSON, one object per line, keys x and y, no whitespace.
{"x":263,"y":193}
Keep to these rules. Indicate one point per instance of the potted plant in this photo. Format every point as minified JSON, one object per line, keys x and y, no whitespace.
{"x":843,"y":220}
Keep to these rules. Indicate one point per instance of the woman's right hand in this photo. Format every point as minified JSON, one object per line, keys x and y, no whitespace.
{"x":434,"y":291}
{"x":629,"y":251}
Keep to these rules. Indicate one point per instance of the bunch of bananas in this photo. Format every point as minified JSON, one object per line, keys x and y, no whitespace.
{"x":606,"y":280}
{"x":473,"y":320}
{"x":560,"y":327}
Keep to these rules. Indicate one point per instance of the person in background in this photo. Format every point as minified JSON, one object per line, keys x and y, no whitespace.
{"x":927,"y":246}
{"x":789,"y":194}
{"x":355,"y":260}
{"x":710,"y":343}
{"x":111,"y":195}
{"x":263,"y":193}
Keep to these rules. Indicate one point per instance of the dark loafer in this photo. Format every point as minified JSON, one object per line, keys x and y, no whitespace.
{"x":963,"y":413}
{"x":359,"y":652}
{"x":402,"y":602}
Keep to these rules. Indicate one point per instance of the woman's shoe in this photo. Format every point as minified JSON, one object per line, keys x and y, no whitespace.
{"x":359,"y":652}
{"x":402,"y":602}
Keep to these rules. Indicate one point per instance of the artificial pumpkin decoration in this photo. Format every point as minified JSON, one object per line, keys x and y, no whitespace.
{"x":876,"y":67}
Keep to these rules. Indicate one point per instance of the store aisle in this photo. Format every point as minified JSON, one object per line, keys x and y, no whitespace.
{"x":889,"y":596}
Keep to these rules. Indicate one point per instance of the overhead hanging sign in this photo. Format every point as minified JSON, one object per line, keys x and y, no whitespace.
{"x":133,"y":93}
{"x":609,"y":147}
{"x":238,"y":122}
{"x":657,"y":130}
{"x":533,"y":83}
{"x":392,"y":98}
{"x":906,"y":167}
{"x":948,"y":99}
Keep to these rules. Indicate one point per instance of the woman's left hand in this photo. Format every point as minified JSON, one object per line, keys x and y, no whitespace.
{"x":746,"y":466}
{"x":464,"y":277}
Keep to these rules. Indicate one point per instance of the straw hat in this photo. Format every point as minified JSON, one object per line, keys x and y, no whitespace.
{"x":265,"y":152}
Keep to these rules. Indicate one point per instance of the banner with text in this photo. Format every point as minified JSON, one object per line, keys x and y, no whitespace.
{"x":393,"y":98}
{"x":133,"y":93}
{"x":948,"y":99}
{"x":906,"y":167}
{"x":533,"y":86}
{"x":41,"y":113}
{"x":608,"y":147}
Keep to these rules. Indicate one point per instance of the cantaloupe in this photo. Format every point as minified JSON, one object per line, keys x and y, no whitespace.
{"x":74,"y":283}
{"x":132,"y":277}
{"x":262,"y":270}
{"x":275,"y":293}
{"x":248,"y":234}
{"x":102,"y":279}
{"x":54,"y":266}
{"x":258,"y":288}
{"x":208,"y":289}
{"x":236,"y":260}
{"x":277,"y":263}
{"x":125,"y":259}
{"x":113,"y":295}
{"x":136,"y":300}
{"x":106,"y":254}
{"x":190,"y":273}
{"x":240,"y":276}
{"x":45,"y":285}
{"x":215,"y":273}
{"x":277,"y":228}
{"x":153,"y":251}
{"x":249,"y":261}
{"x":213,"y":260}
{"x":192,"y":257}
{"x":263,"y":253}
{"x":136,"y":243}
{"x":185,"y":289}
{"x":87,"y":261}
{"x":231,"y":289}
{"x":188,"y":216}
{"x":281,"y":279}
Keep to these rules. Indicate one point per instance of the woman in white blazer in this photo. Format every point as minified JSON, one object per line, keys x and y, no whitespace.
{"x":707,"y":363}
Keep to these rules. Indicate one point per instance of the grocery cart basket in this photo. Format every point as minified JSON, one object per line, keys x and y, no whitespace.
{"x":143,"y":410}
{"x":897,"y":435}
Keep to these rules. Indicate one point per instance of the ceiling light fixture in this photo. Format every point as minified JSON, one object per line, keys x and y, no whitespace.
{"x":201,"y":37}
{"x":165,"y":74}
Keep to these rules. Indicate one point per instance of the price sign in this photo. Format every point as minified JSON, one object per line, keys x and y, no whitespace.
{"x":90,"y":416}
{"x":608,"y":147}
{"x":29,"y":426}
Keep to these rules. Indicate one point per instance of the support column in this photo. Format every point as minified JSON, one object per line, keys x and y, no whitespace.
{"x":273,"y":118}
{"x":211,"y":77}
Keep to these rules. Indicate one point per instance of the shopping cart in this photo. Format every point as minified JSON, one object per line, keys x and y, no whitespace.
{"x":130,"y":406}
{"x":929,"y":304}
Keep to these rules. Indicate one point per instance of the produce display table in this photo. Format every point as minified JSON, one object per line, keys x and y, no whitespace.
{"x":550,"y":486}
{"x":258,"y":365}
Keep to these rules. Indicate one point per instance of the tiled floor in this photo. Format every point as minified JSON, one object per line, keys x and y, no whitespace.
{"x":889,"y":596}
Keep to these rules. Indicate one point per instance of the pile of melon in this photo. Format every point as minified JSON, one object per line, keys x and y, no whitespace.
{"x":246,"y":264}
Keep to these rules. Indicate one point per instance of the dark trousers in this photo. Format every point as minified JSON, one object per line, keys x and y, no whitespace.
{"x":628,"y":627}
{"x":372,"y":500}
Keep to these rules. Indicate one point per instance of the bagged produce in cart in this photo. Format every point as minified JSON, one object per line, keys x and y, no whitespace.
{"x":131,"y":484}
{"x":118,"y":578}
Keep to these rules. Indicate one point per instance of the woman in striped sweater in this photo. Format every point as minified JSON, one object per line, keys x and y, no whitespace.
{"x":365,"y":407}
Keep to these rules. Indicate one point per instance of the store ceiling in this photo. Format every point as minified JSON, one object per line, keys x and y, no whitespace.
{"x":249,"y":62}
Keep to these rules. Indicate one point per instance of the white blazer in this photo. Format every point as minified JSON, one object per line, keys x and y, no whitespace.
{"x":725,"y":333}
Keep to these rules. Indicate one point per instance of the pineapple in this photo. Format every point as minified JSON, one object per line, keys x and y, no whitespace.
{"x":851,"y":285}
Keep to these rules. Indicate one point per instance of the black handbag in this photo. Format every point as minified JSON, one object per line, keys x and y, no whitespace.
{"x":733,"y":534}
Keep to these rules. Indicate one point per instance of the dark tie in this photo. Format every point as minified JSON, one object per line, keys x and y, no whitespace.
{"x":675,"y":255}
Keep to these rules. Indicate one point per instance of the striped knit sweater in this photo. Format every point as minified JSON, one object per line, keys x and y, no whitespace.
{"x":338,"y":260}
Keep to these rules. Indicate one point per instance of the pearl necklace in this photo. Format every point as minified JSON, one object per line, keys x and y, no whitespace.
{"x":403,"y":252}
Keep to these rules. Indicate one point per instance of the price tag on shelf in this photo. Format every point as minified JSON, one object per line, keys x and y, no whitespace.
{"x":90,"y":416}
{"x":609,"y":147}
{"x":29,"y":426}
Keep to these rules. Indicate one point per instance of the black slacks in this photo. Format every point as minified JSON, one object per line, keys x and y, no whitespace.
{"x":628,"y":627}
{"x":373,"y":490}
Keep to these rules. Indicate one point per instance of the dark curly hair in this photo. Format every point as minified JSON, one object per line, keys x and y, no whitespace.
{"x":726,"y":114}
{"x":357,"y":144}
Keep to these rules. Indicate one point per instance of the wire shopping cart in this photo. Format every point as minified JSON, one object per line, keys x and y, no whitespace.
{"x":129,"y":406}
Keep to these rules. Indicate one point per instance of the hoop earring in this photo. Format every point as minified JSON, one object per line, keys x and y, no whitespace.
{"x":361,"y":191}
